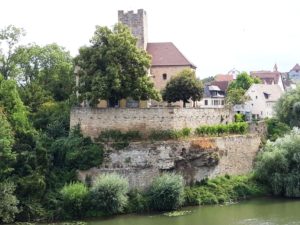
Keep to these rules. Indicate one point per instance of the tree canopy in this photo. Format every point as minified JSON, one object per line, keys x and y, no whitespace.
{"x":113,"y":67}
{"x":287,"y":108}
{"x":9,"y":37}
{"x":243,"y":81}
{"x":237,"y":88}
{"x":183,"y":87}
{"x":278,"y":165}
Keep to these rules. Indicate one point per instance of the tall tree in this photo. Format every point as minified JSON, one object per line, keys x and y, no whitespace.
{"x":287,"y":108}
{"x":113,"y":67}
{"x":183,"y":87}
{"x":7,"y":156}
{"x":243,"y":81}
{"x":237,"y":88}
{"x":45,"y":73}
{"x":9,"y":38}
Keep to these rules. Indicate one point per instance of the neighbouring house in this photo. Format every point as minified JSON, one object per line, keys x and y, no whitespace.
{"x":262,"y":98}
{"x":213,"y":97}
{"x":167,"y":59}
{"x":294,"y":74}
{"x":269,"y":77}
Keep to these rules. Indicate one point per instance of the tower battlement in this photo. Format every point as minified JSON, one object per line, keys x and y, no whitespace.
{"x":137,"y":22}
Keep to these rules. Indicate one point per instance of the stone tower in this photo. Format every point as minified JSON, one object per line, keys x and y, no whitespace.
{"x":137,"y":22}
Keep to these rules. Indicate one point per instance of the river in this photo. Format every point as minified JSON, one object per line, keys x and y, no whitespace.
{"x":252,"y":212}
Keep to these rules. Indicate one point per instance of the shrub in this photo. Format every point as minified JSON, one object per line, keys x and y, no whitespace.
{"x":109,"y":194}
{"x":8,"y":202}
{"x":76,"y":151}
{"x":118,"y":136}
{"x":74,"y":198}
{"x":278,"y":165}
{"x":232,"y":128}
{"x":137,"y":202}
{"x":119,"y":140}
{"x":166,"y":192}
{"x":276,"y":129}
{"x":223,"y":189}
{"x":170,"y":134}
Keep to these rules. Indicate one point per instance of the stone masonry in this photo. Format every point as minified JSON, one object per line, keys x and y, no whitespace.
{"x":137,"y":22}
{"x":195,"y":159}
{"x":92,"y":120}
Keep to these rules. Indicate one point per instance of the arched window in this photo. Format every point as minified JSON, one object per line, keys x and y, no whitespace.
{"x":164,"y":76}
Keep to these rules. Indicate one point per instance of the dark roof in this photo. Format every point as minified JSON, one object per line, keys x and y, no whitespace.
{"x":267,"y":77}
{"x":296,"y":68}
{"x":212,"y":91}
{"x":166,"y":54}
{"x":223,"y":85}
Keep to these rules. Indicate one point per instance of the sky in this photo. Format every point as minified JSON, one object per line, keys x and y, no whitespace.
{"x":216,"y":35}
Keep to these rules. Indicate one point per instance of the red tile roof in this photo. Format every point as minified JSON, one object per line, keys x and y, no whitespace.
{"x":296,"y":68}
{"x":166,"y":54}
{"x":224,"y":77}
{"x":267,"y":77}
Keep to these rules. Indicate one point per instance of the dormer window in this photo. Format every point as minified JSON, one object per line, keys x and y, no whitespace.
{"x":266,"y":95}
{"x":164,"y":76}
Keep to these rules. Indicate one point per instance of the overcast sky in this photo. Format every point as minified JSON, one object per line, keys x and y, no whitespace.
{"x":216,"y":35}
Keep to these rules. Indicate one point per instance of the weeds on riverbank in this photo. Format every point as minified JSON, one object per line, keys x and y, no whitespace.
{"x":224,"y":189}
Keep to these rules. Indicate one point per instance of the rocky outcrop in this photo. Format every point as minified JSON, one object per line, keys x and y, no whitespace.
{"x":195,"y":159}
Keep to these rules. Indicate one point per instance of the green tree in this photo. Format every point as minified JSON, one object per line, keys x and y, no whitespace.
{"x":276,"y":129}
{"x":278,"y":165}
{"x":9,"y":202}
{"x":9,"y":36}
{"x":207,"y":80}
{"x":183,"y":87}
{"x":243,"y":81}
{"x":287,"y":108}
{"x":113,"y":67}
{"x":49,"y":66}
{"x":237,"y":88}
{"x":236,"y":96}
{"x":7,"y":156}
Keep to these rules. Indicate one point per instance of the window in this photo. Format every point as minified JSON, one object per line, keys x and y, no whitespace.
{"x":164,"y":76}
{"x":256,"y":96}
{"x":205,"y":102}
{"x":223,"y":102}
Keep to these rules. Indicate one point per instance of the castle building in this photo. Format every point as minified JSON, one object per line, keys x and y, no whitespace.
{"x":167,"y":60}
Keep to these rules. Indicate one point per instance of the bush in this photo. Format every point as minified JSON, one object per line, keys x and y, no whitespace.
{"x":278,"y":165}
{"x":8,"y":202}
{"x":276,"y":129}
{"x":166,"y":192}
{"x":220,"y":129}
{"x":137,"y":202}
{"x":109,"y":194}
{"x":119,"y":140}
{"x":170,"y":134}
{"x":74,"y":199}
{"x":76,"y":151}
{"x":223,"y":189}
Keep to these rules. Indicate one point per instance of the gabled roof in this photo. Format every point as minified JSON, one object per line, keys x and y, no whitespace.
{"x":296,"y":68}
{"x":224,"y":77}
{"x":267,"y":77}
{"x":166,"y":54}
{"x":274,"y":92}
{"x":223,"y":85}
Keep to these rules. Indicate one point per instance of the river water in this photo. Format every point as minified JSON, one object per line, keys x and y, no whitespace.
{"x":252,"y":212}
